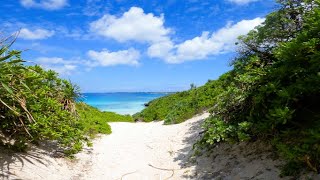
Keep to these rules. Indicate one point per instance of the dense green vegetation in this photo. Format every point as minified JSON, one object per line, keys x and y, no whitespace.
{"x":272,"y":93}
{"x":176,"y":108}
{"x":36,"y":105}
{"x":95,"y":121}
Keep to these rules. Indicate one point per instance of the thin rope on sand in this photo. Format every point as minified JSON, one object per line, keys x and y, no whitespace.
{"x":128,"y":174}
{"x":165,"y":169}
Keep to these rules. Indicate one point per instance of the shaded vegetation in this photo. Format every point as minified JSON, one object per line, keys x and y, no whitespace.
{"x":272,"y":93}
{"x":36,"y":105}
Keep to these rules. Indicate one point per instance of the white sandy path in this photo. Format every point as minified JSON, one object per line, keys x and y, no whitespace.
{"x":136,"y":151}
{"x":148,"y":151}
{"x":132,"y":151}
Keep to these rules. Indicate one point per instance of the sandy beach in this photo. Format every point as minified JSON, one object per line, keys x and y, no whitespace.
{"x":132,"y":151}
{"x":146,"y":151}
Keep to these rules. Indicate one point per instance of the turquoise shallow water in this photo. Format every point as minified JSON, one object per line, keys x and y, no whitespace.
{"x":121,"y":103}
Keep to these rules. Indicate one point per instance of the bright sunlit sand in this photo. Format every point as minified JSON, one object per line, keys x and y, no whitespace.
{"x":133,"y":151}
{"x":146,"y":151}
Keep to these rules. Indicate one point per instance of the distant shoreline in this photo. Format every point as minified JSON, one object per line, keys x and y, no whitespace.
{"x":121,"y":102}
{"x":130,"y":92}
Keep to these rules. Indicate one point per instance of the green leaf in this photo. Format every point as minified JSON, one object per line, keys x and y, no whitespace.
{"x":24,"y":84}
{"x":7,"y":88}
{"x":16,"y":61}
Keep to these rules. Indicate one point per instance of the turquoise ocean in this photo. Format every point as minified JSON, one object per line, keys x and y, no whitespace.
{"x":120,"y":102}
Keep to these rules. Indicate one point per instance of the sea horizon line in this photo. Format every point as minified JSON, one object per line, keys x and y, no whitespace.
{"x":130,"y":92}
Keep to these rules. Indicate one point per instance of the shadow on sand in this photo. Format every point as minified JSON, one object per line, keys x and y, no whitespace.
{"x":245,"y":160}
{"x":11,"y":162}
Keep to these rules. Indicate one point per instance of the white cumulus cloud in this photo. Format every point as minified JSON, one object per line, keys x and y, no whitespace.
{"x":208,"y":44}
{"x":132,"y":25}
{"x":44,"y":4}
{"x":161,"y":50}
{"x":60,"y":65}
{"x":35,"y":34}
{"x":107,"y":58}
{"x":136,"y":25}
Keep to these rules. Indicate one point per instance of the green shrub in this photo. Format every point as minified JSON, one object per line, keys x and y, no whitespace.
{"x":177,"y":107}
{"x":274,"y":88}
{"x":94,"y":121}
{"x":36,"y":105}
{"x":272,"y":92}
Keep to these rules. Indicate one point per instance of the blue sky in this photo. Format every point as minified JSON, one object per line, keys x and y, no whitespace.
{"x":125,"y":45}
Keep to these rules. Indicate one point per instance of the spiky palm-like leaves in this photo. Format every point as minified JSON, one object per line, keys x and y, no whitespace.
{"x":34,"y":104}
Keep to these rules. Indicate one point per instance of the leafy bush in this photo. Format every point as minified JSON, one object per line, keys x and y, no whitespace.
{"x":275,"y":86}
{"x":273,"y":91}
{"x":94,"y":121}
{"x":36,"y":105}
{"x":177,"y":107}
